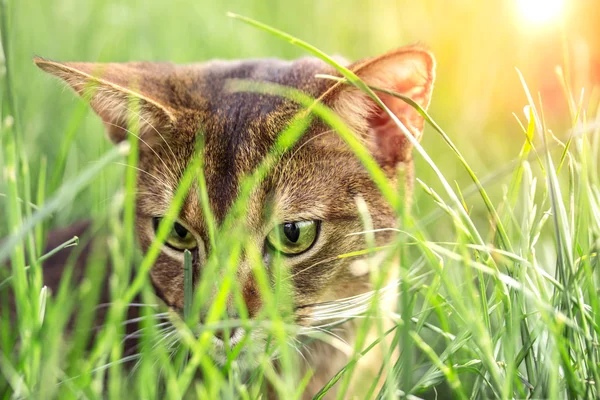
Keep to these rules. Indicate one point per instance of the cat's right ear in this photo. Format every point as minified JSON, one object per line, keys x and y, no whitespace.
{"x":116,"y":90}
{"x":409,"y":71}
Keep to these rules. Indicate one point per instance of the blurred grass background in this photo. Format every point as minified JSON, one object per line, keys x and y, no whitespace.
{"x":477,"y":45}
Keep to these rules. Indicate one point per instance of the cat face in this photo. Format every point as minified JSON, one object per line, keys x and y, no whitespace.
{"x":305,"y":213}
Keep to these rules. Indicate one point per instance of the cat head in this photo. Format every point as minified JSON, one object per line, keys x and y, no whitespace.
{"x":313,"y":192}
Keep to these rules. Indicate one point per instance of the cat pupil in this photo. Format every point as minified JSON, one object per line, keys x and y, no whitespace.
{"x":292,"y":231}
{"x":180,"y":230}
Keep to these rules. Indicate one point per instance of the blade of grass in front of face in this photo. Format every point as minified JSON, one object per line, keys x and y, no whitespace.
{"x":188,"y":294}
{"x":284,"y":141}
{"x":225,"y":285}
{"x":206,"y":272}
{"x":199,"y":347}
{"x":203,"y":193}
{"x":187,"y":284}
{"x":214,"y":312}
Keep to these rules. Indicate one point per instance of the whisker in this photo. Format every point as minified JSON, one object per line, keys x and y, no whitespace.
{"x":174,"y":341}
{"x":101,"y":368}
{"x":310,"y":267}
{"x":137,"y":193}
{"x":334,"y":305}
{"x":374,"y":231}
{"x":163,"y":315}
{"x":161,"y":136}
{"x":293,"y":346}
{"x":140,"y":332}
{"x":329,"y":259}
{"x":162,"y":182}
{"x":336,"y":341}
{"x":160,"y":332}
{"x":301,"y":146}
{"x":160,"y":316}
{"x":304,"y":347}
{"x":135,"y":367}
{"x":120,"y":361}
{"x":150,"y":147}
{"x":164,"y":337}
{"x":331,"y":333}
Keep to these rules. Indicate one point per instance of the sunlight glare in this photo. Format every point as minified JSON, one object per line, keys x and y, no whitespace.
{"x":541,"y":11}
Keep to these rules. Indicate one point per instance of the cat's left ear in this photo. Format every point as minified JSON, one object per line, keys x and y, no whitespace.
{"x":116,"y":90}
{"x":409,"y":71}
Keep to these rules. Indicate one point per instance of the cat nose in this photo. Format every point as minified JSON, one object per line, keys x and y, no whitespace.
{"x":221,"y":334}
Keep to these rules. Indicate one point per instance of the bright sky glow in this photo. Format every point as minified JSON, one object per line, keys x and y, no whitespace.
{"x":541,"y":11}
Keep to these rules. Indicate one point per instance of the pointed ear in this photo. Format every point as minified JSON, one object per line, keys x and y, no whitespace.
{"x":113,"y":88}
{"x":409,"y":71}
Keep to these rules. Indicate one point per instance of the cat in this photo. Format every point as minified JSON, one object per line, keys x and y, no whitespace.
{"x":313,"y":189}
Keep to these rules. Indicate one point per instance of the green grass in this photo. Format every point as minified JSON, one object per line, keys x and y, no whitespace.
{"x":499,"y":279}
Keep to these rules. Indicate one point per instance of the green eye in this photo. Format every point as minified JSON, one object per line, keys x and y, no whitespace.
{"x":179,"y":238}
{"x":293,"y":238}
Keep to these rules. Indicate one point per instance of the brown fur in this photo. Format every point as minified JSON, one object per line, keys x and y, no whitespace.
{"x":319,"y":179}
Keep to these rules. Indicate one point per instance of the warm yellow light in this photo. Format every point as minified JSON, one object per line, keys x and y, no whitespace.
{"x":541,"y":11}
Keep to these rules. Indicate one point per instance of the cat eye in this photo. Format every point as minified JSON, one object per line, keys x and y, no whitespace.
{"x":179,"y":238}
{"x":293,"y":238}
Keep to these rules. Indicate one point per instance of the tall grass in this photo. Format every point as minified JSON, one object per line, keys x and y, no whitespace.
{"x":504,"y":304}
